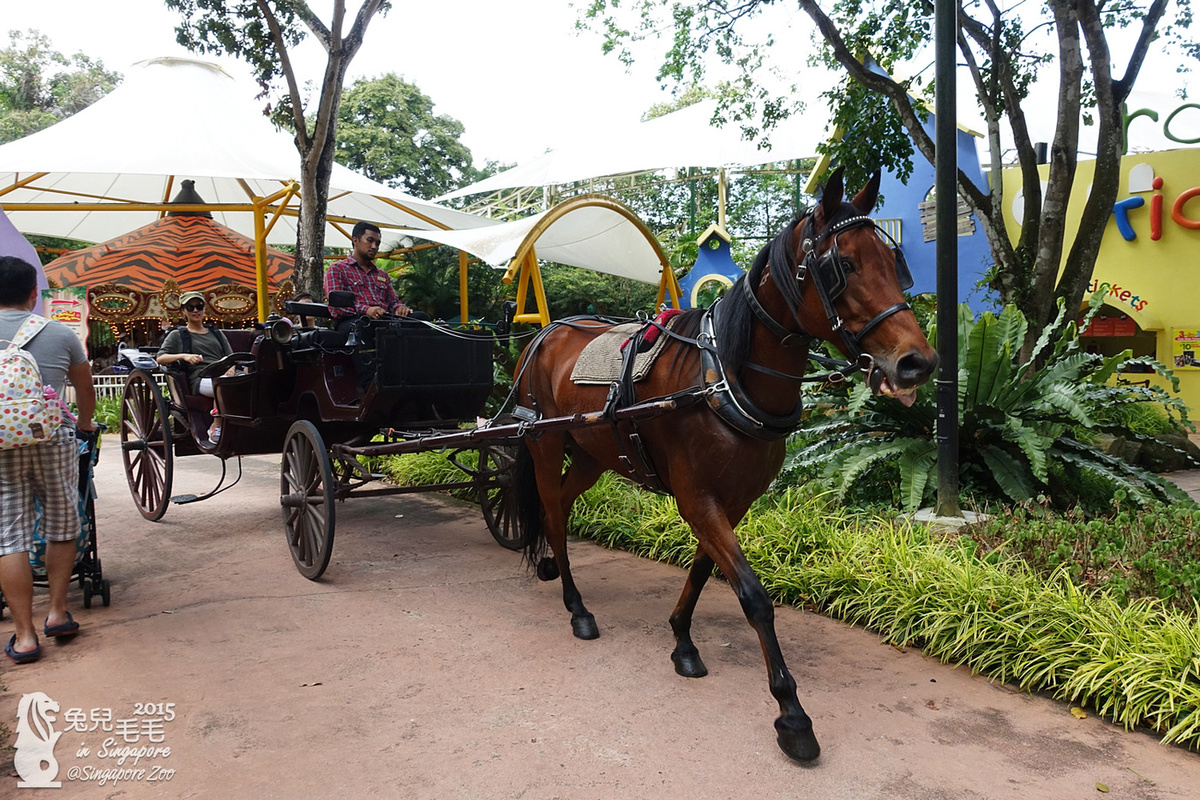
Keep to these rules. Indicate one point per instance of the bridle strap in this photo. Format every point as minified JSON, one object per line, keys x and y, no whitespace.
{"x":852,"y":340}
{"x":788,"y":338}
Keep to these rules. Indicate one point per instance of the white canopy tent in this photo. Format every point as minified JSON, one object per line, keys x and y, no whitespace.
{"x":684,"y":138}
{"x":123,"y":157}
{"x":114,"y":167}
{"x":589,"y":231}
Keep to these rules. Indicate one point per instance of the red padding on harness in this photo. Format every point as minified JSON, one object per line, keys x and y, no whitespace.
{"x":652,"y":332}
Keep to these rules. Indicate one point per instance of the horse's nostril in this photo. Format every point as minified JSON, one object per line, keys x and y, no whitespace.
{"x":915,"y":368}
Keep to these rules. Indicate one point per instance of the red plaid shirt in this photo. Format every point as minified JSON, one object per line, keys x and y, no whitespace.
{"x":371,"y":288}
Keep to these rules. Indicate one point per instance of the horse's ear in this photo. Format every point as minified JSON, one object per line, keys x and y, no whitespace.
{"x":865,"y":200}
{"x":831,"y":197}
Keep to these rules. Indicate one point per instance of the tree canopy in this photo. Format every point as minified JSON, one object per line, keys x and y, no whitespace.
{"x":1005,"y":49}
{"x":387,"y":131}
{"x":40,"y":86}
{"x":263,"y":33}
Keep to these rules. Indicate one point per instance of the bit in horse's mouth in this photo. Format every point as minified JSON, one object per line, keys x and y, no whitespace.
{"x":881,"y":385}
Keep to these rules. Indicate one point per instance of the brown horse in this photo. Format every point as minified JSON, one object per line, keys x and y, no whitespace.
{"x":829,"y":275}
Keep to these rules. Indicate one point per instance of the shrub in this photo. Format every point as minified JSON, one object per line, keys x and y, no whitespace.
{"x":1018,"y":422}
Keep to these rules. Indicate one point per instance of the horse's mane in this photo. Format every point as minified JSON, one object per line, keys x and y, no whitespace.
{"x":735,"y":323}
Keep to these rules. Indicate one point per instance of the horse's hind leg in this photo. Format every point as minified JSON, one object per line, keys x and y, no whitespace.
{"x":559,"y":493}
{"x":685,"y":655}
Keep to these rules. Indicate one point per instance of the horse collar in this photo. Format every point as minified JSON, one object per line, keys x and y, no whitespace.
{"x":726,"y":397}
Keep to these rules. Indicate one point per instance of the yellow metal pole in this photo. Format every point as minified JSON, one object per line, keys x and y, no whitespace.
{"x":522,"y":290}
{"x":462,"y":286}
{"x":260,"y":260}
{"x":539,"y":290}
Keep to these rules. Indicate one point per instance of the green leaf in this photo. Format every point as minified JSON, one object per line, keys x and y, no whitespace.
{"x":1010,"y":474}
{"x":917,"y":464}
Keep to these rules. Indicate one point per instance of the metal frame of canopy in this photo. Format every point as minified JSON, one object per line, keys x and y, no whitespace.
{"x":524,"y":268}
{"x":267,"y":211}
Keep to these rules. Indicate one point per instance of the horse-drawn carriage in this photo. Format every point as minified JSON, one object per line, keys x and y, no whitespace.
{"x":723,"y":394}
{"x":295,"y":391}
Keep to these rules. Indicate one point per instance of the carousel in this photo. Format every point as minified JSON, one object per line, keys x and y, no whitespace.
{"x":134,"y":282}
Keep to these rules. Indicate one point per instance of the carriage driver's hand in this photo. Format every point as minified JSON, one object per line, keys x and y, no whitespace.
{"x":402,"y":310}
{"x":191,"y":358}
{"x":374,"y":312}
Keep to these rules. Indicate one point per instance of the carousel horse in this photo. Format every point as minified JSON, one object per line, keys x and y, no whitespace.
{"x":735,"y":372}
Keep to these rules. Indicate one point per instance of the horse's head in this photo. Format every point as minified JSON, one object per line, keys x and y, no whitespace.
{"x":851,"y":283}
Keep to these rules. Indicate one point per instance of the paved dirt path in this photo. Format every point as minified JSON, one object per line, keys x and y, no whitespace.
{"x":429,"y":664}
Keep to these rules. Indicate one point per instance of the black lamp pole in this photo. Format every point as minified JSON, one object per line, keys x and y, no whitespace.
{"x":946,"y":196}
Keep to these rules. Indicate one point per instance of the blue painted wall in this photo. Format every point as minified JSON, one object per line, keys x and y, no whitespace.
{"x":901,"y":201}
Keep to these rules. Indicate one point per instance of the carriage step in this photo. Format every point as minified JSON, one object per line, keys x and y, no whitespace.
{"x":180,"y":499}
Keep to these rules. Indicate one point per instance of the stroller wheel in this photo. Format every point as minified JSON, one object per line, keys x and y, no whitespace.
{"x":104,"y":587}
{"x":87,"y":594}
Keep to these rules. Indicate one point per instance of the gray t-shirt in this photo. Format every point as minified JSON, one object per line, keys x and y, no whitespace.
{"x":211,"y":347}
{"x":56,"y":348}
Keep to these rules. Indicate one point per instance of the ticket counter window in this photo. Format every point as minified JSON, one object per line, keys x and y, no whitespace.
{"x":1112,"y":332}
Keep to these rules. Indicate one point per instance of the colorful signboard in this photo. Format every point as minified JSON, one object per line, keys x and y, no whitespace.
{"x":1185,"y":348}
{"x":70,"y":307}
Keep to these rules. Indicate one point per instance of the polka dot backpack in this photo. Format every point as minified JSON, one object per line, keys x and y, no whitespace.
{"x":30,"y":411}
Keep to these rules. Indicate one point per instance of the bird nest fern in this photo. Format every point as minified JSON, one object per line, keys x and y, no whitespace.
{"x":1019,"y":422}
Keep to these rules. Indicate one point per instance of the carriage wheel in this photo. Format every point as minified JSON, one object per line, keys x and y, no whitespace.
{"x":496,"y":498}
{"x":306,"y":494}
{"x":146,"y":447}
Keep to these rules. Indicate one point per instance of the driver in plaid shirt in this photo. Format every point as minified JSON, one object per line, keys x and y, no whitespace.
{"x":372,"y":288}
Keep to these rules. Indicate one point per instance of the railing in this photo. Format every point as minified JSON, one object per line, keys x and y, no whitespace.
{"x":110,"y":386}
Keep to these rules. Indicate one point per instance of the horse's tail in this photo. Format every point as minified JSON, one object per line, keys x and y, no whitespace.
{"x":530,"y":519}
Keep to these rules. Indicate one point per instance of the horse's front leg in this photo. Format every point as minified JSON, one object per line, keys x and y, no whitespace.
{"x":793,"y":727}
{"x":685,"y":655}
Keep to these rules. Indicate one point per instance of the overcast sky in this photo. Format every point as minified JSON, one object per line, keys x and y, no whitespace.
{"x":514,"y":72}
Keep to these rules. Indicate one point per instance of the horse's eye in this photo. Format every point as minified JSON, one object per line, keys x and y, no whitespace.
{"x":847,"y":265}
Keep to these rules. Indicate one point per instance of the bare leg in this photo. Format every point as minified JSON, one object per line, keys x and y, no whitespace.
{"x":60,"y":563}
{"x":16,"y":581}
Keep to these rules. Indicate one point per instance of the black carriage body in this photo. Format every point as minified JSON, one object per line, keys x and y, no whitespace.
{"x":425,"y":378}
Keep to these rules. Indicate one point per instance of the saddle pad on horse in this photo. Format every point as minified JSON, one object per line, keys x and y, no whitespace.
{"x":600,"y":361}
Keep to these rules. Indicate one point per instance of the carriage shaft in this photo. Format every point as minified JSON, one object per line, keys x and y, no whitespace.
{"x":499,"y":434}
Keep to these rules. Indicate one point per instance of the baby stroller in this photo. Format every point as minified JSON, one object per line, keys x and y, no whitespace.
{"x":87,"y":559}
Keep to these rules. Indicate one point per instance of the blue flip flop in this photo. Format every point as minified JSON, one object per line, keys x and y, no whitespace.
{"x":22,"y":658}
{"x":68,"y":628}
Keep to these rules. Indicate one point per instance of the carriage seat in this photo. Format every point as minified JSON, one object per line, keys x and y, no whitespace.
{"x":198,"y":406}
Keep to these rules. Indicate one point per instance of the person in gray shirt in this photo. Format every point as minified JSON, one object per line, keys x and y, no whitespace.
{"x":47,"y":472}
{"x":205,"y":346}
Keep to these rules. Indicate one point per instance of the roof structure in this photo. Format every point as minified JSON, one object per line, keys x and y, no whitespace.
{"x":110,"y":168}
{"x":195,"y":251}
{"x":683,"y":138}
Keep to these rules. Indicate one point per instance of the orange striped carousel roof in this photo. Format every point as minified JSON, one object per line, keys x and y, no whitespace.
{"x":194,"y":250}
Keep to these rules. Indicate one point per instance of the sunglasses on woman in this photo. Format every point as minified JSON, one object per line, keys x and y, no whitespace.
{"x":194,"y":307}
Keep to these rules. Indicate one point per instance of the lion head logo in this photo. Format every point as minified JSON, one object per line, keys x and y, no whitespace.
{"x":36,"y":738}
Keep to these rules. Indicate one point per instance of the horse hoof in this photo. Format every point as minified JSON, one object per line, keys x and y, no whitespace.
{"x":689,"y":665}
{"x":584,"y":627}
{"x":547,"y":570}
{"x":798,"y":744}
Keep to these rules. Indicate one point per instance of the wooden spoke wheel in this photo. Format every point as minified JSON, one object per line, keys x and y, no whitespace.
{"x":146,"y":444}
{"x":306,"y":496}
{"x":496,"y":498}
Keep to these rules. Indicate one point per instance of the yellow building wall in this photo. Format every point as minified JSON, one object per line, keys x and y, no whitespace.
{"x":1150,"y":255}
